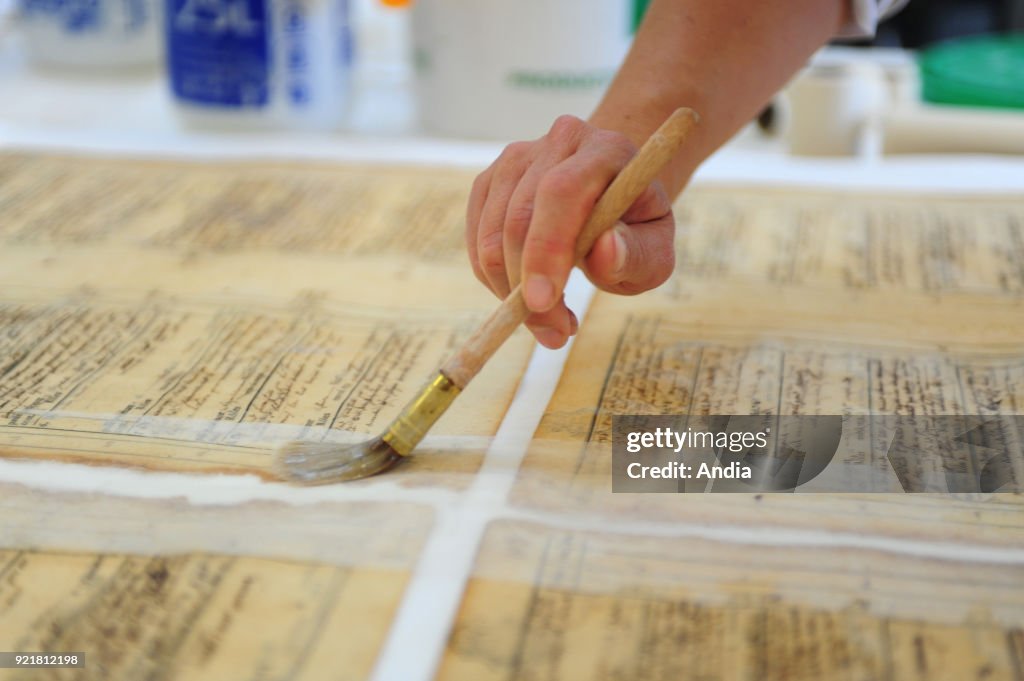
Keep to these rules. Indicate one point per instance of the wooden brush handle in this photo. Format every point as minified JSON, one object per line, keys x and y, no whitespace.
{"x":626,"y":188}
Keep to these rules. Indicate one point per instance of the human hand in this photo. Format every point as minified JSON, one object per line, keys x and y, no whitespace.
{"x":527,"y":209}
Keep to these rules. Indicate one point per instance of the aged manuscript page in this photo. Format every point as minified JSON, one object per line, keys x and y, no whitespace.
{"x":191,"y":317}
{"x":784,"y":303}
{"x":188,"y":318}
{"x":168,"y":323}
{"x":161,"y":589}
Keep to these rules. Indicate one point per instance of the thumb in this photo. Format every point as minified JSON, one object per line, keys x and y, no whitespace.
{"x":631,"y":259}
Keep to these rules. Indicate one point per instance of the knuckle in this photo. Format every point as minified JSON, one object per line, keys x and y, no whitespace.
{"x":491,"y":255}
{"x":566,"y":128}
{"x":515,"y":152}
{"x":616,"y":148}
{"x":615,"y":140}
{"x":518,"y":219}
{"x":548,"y":245}
{"x":576,"y":188}
{"x":480,"y":184}
{"x":561,"y":185}
{"x":490,"y":268}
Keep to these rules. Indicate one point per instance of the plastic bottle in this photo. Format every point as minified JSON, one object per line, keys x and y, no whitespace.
{"x":260,"y":63}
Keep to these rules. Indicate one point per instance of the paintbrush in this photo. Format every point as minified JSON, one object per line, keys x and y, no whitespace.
{"x":321,"y":462}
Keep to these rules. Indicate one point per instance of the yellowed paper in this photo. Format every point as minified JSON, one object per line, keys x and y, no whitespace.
{"x":226,"y":206}
{"x":730,"y":334}
{"x":855,"y":240}
{"x":168,"y":589}
{"x":195,"y":316}
{"x":548,"y":603}
{"x":783,"y":303}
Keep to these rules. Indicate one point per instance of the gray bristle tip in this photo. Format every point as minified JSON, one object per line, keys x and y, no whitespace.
{"x":319,"y":462}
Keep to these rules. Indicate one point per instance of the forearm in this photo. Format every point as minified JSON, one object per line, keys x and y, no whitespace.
{"x":724,"y":58}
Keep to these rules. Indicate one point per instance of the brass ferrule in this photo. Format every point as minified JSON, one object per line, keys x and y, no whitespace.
{"x":409,"y":427}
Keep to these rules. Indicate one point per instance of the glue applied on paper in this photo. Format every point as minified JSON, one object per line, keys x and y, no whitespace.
{"x":190,"y":316}
{"x":183,"y":319}
{"x":165,"y":589}
{"x":194,"y":316}
{"x":785,"y":304}
{"x":587,"y":604}
{"x":794,"y":306}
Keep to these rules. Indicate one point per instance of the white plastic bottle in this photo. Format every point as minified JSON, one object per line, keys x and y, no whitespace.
{"x":260,"y":63}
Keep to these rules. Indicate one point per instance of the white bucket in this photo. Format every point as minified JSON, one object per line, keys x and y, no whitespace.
{"x":505,"y":69}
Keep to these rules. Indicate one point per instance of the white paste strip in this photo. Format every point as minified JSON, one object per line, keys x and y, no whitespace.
{"x":776,"y":536}
{"x":207,"y":489}
{"x":420,"y":630}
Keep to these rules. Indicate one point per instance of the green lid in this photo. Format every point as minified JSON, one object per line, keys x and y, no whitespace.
{"x":978,"y":71}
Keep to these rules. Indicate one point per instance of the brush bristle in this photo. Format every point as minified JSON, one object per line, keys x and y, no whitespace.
{"x":315,"y":463}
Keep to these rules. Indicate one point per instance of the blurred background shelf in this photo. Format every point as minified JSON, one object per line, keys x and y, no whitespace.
{"x":132,"y":113}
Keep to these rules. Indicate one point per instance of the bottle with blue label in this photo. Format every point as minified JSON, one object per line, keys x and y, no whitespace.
{"x":272,"y":63}
{"x":91,"y":34}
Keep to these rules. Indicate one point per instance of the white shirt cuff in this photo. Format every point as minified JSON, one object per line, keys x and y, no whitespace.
{"x":865,"y":16}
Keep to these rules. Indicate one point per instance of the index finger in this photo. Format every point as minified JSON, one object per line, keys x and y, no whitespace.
{"x":565,"y":198}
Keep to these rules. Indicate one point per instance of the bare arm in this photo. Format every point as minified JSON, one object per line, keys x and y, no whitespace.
{"x":724,"y":58}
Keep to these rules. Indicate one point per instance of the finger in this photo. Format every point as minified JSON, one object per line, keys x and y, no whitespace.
{"x":554,"y":327}
{"x":630,"y":259}
{"x":560,"y":142}
{"x":520,"y":212}
{"x":565,"y":198}
{"x":474,"y":208}
{"x":618,"y":265}
{"x":508,"y":170}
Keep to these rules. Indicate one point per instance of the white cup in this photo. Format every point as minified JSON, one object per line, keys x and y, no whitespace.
{"x":831,"y":106}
